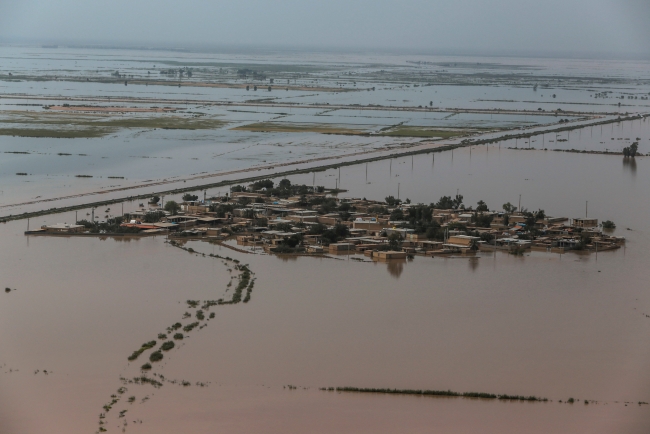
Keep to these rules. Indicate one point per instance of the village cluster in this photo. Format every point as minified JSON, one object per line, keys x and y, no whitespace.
{"x":299,"y":219}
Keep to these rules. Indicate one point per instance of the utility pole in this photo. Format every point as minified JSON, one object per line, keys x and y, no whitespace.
{"x":398,"y":191}
{"x":519,"y":203}
{"x":587,"y":209}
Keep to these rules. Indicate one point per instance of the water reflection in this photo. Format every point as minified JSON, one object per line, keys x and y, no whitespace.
{"x":473,"y":263}
{"x":630,"y":164}
{"x":395,"y":267}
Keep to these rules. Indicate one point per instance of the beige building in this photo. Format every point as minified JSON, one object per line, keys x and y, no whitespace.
{"x":63,"y":228}
{"x":585,"y":223}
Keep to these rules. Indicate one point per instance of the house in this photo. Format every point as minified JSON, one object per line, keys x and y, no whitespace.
{"x":329,"y":219}
{"x":390,"y":254}
{"x":404,"y":233}
{"x":461,"y":241}
{"x":340,"y":247}
{"x":369,"y":224}
{"x":183,"y":221}
{"x":194,"y":207}
{"x":585,"y":223}
{"x":63,"y":228}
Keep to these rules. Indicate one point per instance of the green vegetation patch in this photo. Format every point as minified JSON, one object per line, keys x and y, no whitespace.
{"x":77,"y":126}
{"x":167,"y":346}
{"x":85,"y":133}
{"x":449,"y":393}
{"x":146,"y":346}
{"x":425,"y":132}
{"x":156,"y":356}
{"x":188,"y":328}
{"x":277,"y":127}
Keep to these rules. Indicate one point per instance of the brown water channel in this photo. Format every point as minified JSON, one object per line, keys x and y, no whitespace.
{"x":540,"y":324}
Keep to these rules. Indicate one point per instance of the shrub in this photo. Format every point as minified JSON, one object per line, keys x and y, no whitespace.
{"x":146,"y":367}
{"x":178,"y":336}
{"x":156,"y":356}
{"x":608,"y":224}
{"x":188,"y":328}
{"x":143,"y":348}
{"x":167,"y":346}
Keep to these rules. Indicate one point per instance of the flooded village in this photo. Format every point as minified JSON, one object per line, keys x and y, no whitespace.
{"x":326,"y":242}
{"x":300,"y":219}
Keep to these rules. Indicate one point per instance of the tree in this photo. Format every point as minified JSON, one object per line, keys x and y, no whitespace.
{"x":153,"y":217}
{"x":481,"y":206}
{"x":397,"y":215}
{"x":630,"y":151}
{"x":293,"y":240}
{"x":341,"y":231}
{"x":190,"y":197}
{"x":394,"y":241}
{"x":434,"y":232}
{"x":445,"y":202}
{"x":458,"y":201}
{"x":482,"y":220}
{"x":154,"y":200}
{"x":317,"y":229}
{"x":391,"y":201}
{"x":172,"y":207}
{"x":509,"y":208}
{"x":264,"y":183}
{"x":608,"y":224}
{"x":284,"y":184}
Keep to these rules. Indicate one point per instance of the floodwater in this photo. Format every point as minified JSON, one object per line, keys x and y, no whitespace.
{"x":555,"y":326}
{"x":137,"y":157}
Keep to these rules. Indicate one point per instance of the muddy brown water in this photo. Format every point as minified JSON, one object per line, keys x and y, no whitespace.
{"x":540,"y":324}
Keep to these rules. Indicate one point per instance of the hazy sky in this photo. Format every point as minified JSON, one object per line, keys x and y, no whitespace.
{"x":490,"y":26}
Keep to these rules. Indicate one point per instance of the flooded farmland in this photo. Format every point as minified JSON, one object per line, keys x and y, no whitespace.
{"x":572,"y":328}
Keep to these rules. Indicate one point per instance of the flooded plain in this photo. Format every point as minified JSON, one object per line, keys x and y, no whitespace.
{"x":555,"y":326}
{"x":549,"y":325}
